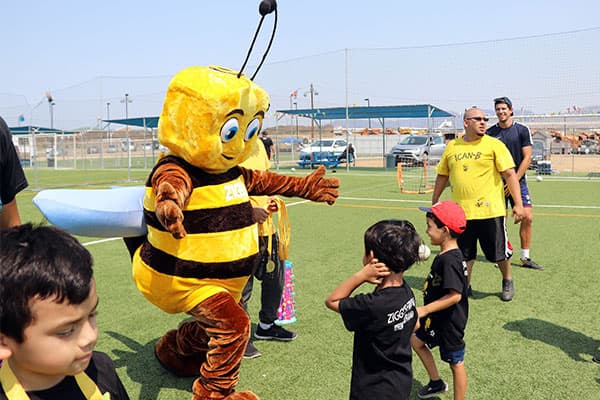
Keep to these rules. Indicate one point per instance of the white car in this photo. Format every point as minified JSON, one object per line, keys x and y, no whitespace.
{"x":335,"y":146}
{"x":419,"y":148}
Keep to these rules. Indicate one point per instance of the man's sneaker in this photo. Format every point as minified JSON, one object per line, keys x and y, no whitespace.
{"x":596,"y":358}
{"x":528,"y":263}
{"x":508,"y":290}
{"x":275,"y":332}
{"x":432,"y":389}
{"x":251,"y":351}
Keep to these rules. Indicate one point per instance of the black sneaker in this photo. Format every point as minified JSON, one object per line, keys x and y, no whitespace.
{"x":596,"y":358}
{"x":432,"y":389}
{"x":251,"y":351}
{"x":508,"y":290}
{"x":275,"y":332}
{"x":528,"y":263}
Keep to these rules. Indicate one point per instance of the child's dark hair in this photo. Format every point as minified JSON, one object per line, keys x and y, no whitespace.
{"x":39,"y":262}
{"x":393,"y":242}
{"x":440,"y":224}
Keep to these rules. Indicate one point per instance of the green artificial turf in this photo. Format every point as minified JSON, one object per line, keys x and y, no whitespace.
{"x":538,"y":346}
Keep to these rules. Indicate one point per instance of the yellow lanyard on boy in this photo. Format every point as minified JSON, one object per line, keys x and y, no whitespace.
{"x":14,"y":390}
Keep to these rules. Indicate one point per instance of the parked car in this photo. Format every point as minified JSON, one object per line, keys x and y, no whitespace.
{"x":419,"y":148}
{"x":124,"y":145}
{"x":93,"y":150}
{"x":112,"y":148}
{"x":587,"y":146}
{"x":335,"y":146}
{"x":538,"y":153}
{"x":149,"y":146}
{"x":53,"y":152}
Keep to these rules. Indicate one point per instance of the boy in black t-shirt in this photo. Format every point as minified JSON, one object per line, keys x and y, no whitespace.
{"x":444,"y":315}
{"x":48,"y":320}
{"x":384,"y":320}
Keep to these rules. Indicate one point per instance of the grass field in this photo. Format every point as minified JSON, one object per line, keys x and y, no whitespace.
{"x":539,"y":346}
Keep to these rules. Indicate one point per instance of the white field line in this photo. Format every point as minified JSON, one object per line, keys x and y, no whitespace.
{"x":592,"y":207}
{"x":376,"y":199}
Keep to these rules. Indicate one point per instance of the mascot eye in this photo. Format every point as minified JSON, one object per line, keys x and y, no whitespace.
{"x":229,"y":130}
{"x":253,"y":128}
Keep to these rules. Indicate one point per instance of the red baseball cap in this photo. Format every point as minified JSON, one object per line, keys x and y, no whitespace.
{"x":450,"y":214}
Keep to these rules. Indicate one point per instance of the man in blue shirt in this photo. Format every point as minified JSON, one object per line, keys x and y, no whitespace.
{"x":518,"y":140}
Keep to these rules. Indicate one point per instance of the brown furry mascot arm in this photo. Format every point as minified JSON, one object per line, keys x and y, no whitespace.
{"x":313,"y":187}
{"x":173,"y":187}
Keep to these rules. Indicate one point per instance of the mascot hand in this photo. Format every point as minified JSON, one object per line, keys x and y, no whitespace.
{"x":313,"y":187}
{"x":319,"y":188}
{"x":168,"y":211}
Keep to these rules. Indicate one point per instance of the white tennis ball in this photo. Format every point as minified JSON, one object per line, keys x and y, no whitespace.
{"x":424,"y":252}
{"x":539,"y":178}
{"x":293,"y":169}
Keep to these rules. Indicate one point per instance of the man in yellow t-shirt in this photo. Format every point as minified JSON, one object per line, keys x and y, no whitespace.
{"x":475,"y":165}
{"x":270,"y":268}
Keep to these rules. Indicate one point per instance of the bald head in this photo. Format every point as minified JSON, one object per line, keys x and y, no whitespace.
{"x":474,"y":122}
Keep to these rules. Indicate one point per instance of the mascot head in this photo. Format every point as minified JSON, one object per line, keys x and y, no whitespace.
{"x":212,"y":117}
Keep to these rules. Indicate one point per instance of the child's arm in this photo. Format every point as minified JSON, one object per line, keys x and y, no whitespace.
{"x":442,"y":303}
{"x":373,"y":273}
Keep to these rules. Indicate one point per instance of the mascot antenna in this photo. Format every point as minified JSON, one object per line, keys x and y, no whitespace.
{"x":265,"y":8}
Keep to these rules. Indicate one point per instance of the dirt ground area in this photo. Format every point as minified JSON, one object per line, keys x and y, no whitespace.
{"x":575,"y":163}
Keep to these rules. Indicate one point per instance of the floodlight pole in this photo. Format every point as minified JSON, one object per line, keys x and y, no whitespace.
{"x":296,"y":117}
{"x":313,"y":93}
{"x":108,"y":133}
{"x":126,"y":100}
{"x":369,"y":105}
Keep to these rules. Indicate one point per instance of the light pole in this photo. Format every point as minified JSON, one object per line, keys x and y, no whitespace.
{"x":293,"y":96}
{"x":296,"y":116}
{"x":312,"y":93}
{"x":108,"y":133}
{"x":369,"y":105}
{"x":51,"y":104}
{"x":127,"y":100}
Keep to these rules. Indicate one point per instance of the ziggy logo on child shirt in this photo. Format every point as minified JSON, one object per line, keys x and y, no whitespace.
{"x":403,"y":315}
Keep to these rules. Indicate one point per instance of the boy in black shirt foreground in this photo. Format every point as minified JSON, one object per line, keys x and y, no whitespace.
{"x":382,"y":321}
{"x":444,"y":316}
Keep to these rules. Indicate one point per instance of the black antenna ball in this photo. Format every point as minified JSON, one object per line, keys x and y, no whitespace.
{"x":267,"y":7}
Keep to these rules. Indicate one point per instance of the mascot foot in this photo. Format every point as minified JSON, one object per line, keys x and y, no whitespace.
{"x":201,"y":393}
{"x":166,"y":353}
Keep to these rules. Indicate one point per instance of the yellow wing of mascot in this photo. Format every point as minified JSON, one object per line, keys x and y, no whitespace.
{"x":202,"y":241}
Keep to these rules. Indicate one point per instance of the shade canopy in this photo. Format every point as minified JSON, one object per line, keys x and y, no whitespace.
{"x":362,"y":112}
{"x":28,"y":129}
{"x":148,"y":122}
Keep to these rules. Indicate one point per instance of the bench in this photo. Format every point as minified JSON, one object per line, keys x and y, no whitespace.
{"x":329,"y":160}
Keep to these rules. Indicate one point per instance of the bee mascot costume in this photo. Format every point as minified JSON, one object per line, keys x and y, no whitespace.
{"x":202,"y":242}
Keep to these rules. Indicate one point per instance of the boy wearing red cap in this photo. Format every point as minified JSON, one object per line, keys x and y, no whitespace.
{"x":443,"y":317}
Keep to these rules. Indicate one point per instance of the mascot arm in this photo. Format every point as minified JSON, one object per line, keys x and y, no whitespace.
{"x":172,"y":186}
{"x":313,"y":187}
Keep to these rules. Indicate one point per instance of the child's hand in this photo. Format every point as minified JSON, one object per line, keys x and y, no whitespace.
{"x":272,"y":205}
{"x":374,"y":271}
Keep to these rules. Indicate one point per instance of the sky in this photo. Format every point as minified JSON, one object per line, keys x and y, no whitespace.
{"x":67,"y":47}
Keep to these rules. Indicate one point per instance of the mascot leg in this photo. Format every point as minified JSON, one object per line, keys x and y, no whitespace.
{"x":183,"y":351}
{"x":228,"y":328}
